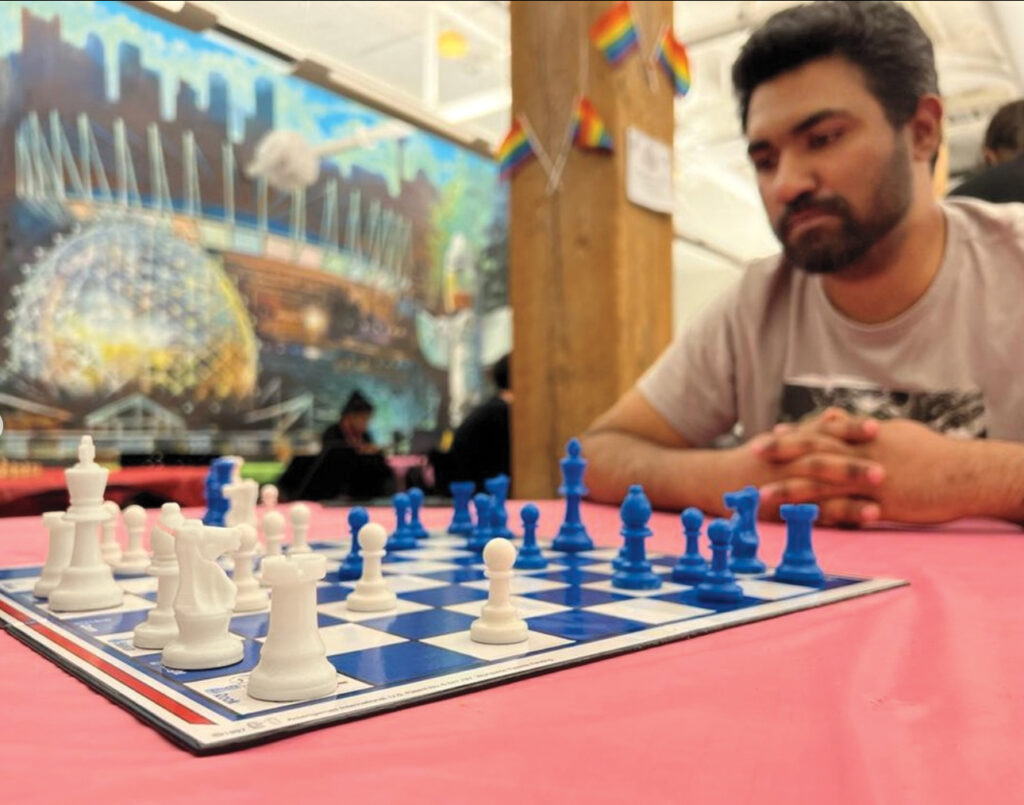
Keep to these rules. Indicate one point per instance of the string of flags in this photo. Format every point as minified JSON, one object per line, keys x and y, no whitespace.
{"x":616,"y":34}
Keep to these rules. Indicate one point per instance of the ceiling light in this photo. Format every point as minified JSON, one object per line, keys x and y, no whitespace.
{"x":451,"y":45}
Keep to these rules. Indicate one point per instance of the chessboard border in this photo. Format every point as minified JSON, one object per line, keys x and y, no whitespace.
{"x":108,"y":675}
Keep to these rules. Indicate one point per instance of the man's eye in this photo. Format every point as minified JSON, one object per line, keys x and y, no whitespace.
{"x":763,"y":164}
{"x":823,"y":139}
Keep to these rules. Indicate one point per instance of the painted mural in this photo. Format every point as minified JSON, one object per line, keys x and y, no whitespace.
{"x":157,"y":294}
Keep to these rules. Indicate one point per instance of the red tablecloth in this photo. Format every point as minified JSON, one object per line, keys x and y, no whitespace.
{"x":909,"y":696}
{"x":48,"y":490}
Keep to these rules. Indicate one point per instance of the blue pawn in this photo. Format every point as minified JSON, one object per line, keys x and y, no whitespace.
{"x":719,"y":585}
{"x":637,"y":573}
{"x":415,"y":502}
{"x":798,"y":563}
{"x":572,"y":534}
{"x":462,"y":521}
{"x":401,"y":539}
{"x":530,"y":556}
{"x":352,"y":564}
{"x":217,"y":505}
{"x":691,"y":567}
{"x":482,"y":531}
{"x":497,"y":488}
{"x":744,"y":536}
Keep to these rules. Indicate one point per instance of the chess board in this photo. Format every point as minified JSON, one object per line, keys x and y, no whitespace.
{"x":416,"y":653}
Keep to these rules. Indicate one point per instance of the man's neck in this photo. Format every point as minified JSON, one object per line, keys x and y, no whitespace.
{"x":897,"y":270}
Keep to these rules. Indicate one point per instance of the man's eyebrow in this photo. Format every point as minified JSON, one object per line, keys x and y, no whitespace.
{"x":805,"y":124}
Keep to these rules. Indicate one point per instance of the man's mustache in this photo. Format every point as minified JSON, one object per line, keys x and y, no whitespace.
{"x":808,"y":203}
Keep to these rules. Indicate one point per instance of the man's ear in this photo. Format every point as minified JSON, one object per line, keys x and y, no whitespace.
{"x":926,"y":128}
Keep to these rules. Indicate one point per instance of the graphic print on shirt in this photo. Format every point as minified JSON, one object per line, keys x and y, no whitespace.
{"x":954,"y":413}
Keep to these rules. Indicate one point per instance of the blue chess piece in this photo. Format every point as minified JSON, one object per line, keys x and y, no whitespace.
{"x":798,"y":563}
{"x":744,"y":536}
{"x":719,"y":585}
{"x":217,"y":505}
{"x":415,"y":502}
{"x":497,"y":488}
{"x":401,"y":539}
{"x":352,"y":565}
{"x":530,"y":556}
{"x":462,"y":521}
{"x":482,"y":531}
{"x":637,"y":573}
{"x":691,"y":567}
{"x":572,"y":534}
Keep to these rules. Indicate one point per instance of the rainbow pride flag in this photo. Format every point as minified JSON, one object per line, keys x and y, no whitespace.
{"x":672,"y":56}
{"x":515,"y":150}
{"x":588,"y":130}
{"x":614,"y":32}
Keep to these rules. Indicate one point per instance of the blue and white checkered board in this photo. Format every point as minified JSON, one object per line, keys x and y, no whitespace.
{"x":417,"y":652}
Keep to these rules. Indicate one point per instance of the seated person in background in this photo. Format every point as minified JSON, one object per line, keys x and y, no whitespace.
{"x":1003,"y":178}
{"x":866,"y":364}
{"x":353,"y":426}
{"x":480,"y":448}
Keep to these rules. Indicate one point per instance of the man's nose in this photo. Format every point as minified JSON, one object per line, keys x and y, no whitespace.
{"x":793,"y":178}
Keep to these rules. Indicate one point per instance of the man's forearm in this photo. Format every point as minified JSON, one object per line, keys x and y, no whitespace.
{"x":991,"y":480}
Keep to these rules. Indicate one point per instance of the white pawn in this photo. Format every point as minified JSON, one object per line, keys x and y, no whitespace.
{"x":273,"y":532}
{"x":62,"y":540}
{"x":371,"y":593}
{"x":250,"y":596}
{"x":499,"y":623}
{"x":110,"y":548}
{"x":293,"y":661}
{"x":135,"y":559}
{"x":160,"y":626}
{"x":299,"y":515}
{"x":268,"y":497}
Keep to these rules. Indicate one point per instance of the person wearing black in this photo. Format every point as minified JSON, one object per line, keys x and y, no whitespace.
{"x":481,"y":445}
{"x":1003,"y":178}
{"x":352,"y":427}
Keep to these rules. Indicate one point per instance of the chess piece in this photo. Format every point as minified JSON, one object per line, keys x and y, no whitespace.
{"x":299,"y":514}
{"x":205,"y":600}
{"x":636,"y":573}
{"x":481,"y":533}
{"x":61,"y":541}
{"x":273,"y":532}
{"x":110,"y":548}
{"x":572,"y":534}
{"x":499,"y":623}
{"x":497,"y":488}
{"x":221,"y":470}
{"x":415,"y":503}
{"x":530,"y":556}
{"x":87,"y":582}
{"x":371,"y":593}
{"x":691,"y":567}
{"x":160,"y":626}
{"x":744,"y":536}
{"x":352,"y":565}
{"x":293,"y":661}
{"x":241,"y":496}
{"x":462,"y":522}
{"x":268,"y":497}
{"x":799,"y":565}
{"x":135,"y":559}
{"x":719,"y":585}
{"x":248,"y":595}
{"x":401,"y":539}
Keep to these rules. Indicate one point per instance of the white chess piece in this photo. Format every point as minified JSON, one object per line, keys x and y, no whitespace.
{"x":62,"y":540}
{"x":135,"y":559}
{"x":87,"y":582}
{"x":250,"y":597}
{"x":499,"y":623}
{"x":273,"y":532}
{"x":205,"y":599}
{"x":268,"y":497}
{"x":298,"y":513}
{"x":293,"y":661}
{"x":109,"y":546}
{"x":160,"y":626}
{"x":371,"y":593}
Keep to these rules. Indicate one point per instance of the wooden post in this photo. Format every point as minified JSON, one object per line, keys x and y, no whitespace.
{"x":590,"y":272}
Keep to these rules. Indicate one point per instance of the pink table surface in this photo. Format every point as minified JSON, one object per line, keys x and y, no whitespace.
{"x":908,"y":696}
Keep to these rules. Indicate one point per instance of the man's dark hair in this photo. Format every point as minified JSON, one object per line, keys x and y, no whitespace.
{"x":1005,"y":131}
{"x":356,"y":404}
{"x":500,"y":373}
{"x":881,"y":38}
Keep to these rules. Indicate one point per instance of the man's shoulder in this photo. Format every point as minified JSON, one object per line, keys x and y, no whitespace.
{"x":986,"y":223}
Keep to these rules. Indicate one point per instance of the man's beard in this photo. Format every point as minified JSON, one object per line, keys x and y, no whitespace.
{"x":823,"y":250}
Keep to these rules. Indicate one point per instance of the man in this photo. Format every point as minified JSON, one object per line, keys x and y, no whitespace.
{"x":1003,"y":178}
{"x":353,"y":426}
{"x":885,"y":308}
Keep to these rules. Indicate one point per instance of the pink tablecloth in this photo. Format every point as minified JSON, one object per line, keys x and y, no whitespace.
{"x":912,"y":695}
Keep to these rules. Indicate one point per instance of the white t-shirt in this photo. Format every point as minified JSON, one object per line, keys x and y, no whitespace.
{"x":774,"y":349}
